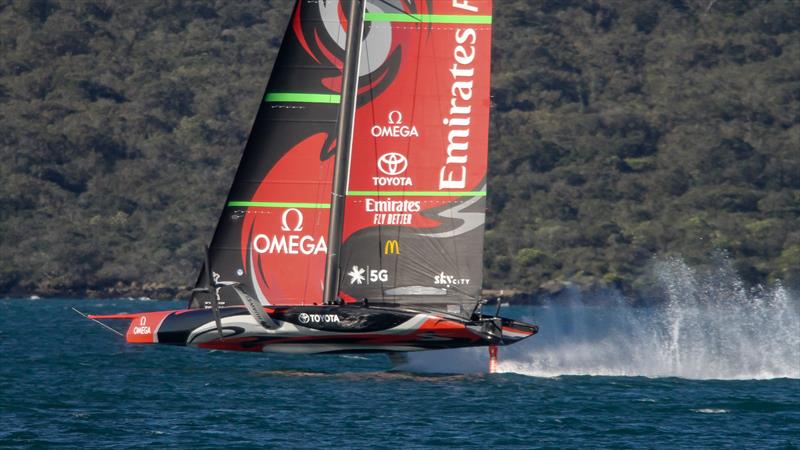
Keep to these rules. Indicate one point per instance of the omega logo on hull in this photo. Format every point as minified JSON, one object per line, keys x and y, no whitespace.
{"x":142,"y":328}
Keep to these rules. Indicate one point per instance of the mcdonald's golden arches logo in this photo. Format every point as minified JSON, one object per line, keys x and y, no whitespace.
{"x":392,"y":247}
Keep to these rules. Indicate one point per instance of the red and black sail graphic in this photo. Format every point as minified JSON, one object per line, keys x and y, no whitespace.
{"x":415,"y":207}
{"x":271,"y":236}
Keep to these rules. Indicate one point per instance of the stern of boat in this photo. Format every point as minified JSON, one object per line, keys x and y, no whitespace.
{"x":501,"y":331}
{"x":514,"y":331}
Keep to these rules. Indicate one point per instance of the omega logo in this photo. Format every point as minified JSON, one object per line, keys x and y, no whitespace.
{"x":394,"y":127}
{"x":285,"y":220}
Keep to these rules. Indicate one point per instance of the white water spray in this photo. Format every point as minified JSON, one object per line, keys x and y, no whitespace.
{"x":711,"y":327}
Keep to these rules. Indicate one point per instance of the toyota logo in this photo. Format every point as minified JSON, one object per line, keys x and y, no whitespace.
{"x":304,"y":318}
{"x":392,"y":164}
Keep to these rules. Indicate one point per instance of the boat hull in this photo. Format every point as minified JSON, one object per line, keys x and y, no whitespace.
{"x":321,"y":329}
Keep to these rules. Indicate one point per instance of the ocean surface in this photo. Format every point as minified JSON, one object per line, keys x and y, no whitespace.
{"x":711,"y":369}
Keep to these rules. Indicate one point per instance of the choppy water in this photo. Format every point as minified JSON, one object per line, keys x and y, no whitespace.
{"x":718,"y":367}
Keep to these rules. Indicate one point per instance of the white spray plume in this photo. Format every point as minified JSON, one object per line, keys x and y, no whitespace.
{"x":710,"y":327}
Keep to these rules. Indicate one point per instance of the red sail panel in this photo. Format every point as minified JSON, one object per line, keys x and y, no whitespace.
{"x":272,"y":235}
{"x":284,"y":229}
{"x":415,"y":211}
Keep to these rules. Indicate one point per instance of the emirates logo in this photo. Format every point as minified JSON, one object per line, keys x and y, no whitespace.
{"x":392,"y":164}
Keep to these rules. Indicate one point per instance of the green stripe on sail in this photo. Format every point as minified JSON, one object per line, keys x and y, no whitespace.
{"x":427,"y":18}
{"x":280,"y":205}
{"x":298,"y":97}
{"x":418,"y":193}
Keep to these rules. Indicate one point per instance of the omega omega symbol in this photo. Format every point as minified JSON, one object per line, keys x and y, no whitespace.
{"x":285,"y":220}
{"x":395,"y":118}
{"x":392,"y":164}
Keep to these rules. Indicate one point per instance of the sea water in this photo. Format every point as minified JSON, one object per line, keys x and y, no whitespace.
{"x":718,"y":366}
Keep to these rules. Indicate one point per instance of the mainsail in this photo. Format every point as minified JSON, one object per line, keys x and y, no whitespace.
{"x":414,"y":214}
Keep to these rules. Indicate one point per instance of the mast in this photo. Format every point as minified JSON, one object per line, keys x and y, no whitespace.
{"x":344,"y":142}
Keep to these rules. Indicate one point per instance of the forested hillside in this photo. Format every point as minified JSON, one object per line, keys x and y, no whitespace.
{"x":621,"y":130}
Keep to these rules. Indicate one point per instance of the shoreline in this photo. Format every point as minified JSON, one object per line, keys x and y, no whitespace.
{"x":551,"y":293}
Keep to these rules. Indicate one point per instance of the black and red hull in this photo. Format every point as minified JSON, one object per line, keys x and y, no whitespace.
{"x":321,"y":329}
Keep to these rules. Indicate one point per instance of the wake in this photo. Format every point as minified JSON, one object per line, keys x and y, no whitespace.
{"x":711,"y":327}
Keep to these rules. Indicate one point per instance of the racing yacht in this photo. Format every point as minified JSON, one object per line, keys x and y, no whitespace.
{"x":355,"y":220}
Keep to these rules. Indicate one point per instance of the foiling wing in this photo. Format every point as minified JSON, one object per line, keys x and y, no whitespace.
{"x":414,"y":219}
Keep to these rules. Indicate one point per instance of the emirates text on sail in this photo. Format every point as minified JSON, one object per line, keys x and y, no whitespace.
{"x":392,"y":212}
{"x":453,"y":175}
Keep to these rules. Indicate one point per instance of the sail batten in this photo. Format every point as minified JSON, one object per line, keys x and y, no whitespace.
{"x":300,"y":97}
{"x":428,"y":18}
{"x":280,"y":205}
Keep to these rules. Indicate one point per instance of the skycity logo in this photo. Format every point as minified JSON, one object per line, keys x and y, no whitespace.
{"x":293,"y":243}
{"x":395,"y":127}
{"x":444,"y":279}
{"x":393,"y":165}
